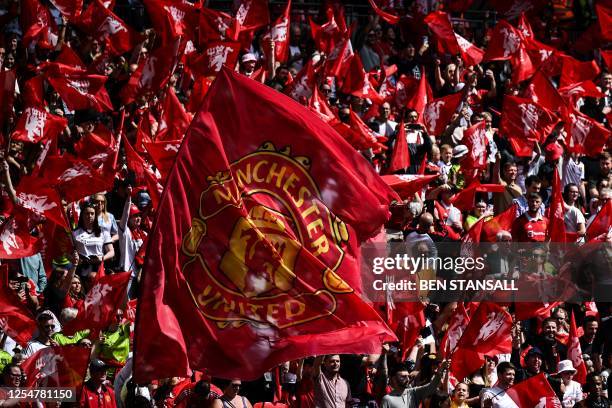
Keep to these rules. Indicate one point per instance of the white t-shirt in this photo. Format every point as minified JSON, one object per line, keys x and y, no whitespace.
{"x":87,"y":244}
{"x":573,"y":172}
{"x":573,"y":217}
{"x":572,"y":395}
{"x":499,"y":396}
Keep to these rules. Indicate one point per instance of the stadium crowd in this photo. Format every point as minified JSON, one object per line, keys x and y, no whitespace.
{"x":521,"y":128}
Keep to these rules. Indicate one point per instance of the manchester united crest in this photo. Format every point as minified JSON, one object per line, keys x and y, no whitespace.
{"x":264,"y":248}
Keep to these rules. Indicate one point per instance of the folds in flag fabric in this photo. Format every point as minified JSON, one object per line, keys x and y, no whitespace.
{"x":541,"y":92}
{"x":174,"y":120}
{"x":400,"y":157}
{"x":574,"y":353}
{"x":585,"y":135}
{"x":37,"y":24}
{"x":504,"y":42}
{"x":601,"y":224}
{"x":102,"y":24}
{"x":406,"y":185}
{"x":36,"y":195}
{"x":456,"y":326}
{"x":488,"y":333}
{"x":319,"y":105}
{"x":475,"y":139}
{"x":68,"y":8}
{"x":437,"y":113}
{"x":388,"y":17}
{"x":77,"y":88}
{"x":57,"y":367}
{"x":279,"y":33}
{"x":215,"y":55}
{"x":36,"y":124}
{"x":526,"y":121}
{"x":464,"y":200}
{"x":144,"y":174}
{"x":501,"y":222}
{"x":172,"y":19}
{"x":217,"y":26}
{"x":15,"y":239}
{"x":258,"y":245}
{"x":98,"y":309}
{"x":556,"y":215}
{"x":574,"y":71}
{"x":163,"y":154}
{"x":253,"y":14}
{"x":16,"y":320}
{"x":527,"y":310}
{"x":451,"y":42}
{"x":534,"y":392}
{"x":408,"y":321}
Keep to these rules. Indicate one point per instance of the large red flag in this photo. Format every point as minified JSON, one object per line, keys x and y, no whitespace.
{"x":574,"y":353}
{"x":451,"y":42}
{"x":400,"y":158}
{"x":258,"y":243}
{"x":534,"y":392}
{"x":456,"y":326}
{"x":102,"y":24}
{"x":601,"y":224}
{"x":556,"y":215}
{"x":525,"y":120}
{"x":279,"y":33}
{"x":574,"y":71}
{"x":37,"y":24}
{"x":36,"y":195}
{"x":15,"y":239}
{"x":488,"y":333}
{"x":253,"y":14}
{"x":475,"y":138}
{"x":174,"y":119}
{"x":438,"y":113}
{"x":172,"y":19}
{"x":585,"y":135}
{"x":408,"y":321}
{"x":98,"y":309}
{"x":501,"y":222}
{"x":77,"y":88}
{"x":57,"y":367}
{"x":16,"y":320}
{"x":543,"y":93}
{"x":406,"y":185}
{"x":36,"y":124}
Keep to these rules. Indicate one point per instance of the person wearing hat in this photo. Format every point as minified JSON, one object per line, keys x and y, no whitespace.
{"x":572,"y":391}
{"x":533,"y":364}
{"x":248,"y":63}
{"x":97,"y":392}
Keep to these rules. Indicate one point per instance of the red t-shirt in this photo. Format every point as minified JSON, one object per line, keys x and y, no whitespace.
{"x":527,"y":229}
{"x":91,"y":398}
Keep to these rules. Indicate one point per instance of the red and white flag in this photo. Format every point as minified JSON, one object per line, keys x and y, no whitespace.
{"x":451,"y":42}
{"x":556,"y":211}
{"x":68,"y":8}
{"x":457,"y":324}
{"x":15,"y":239}
{"x":400,"y":157}
{"x":35,"y":194}
{"x":600,"y":227}
{"x":388,"y":17}
{"x":252,"y":14}
{"x":475,"y":139}
{"x":319,"y":105}
{"x":214,"y":56}
{"x":103,"y":25}
{"x":279,"y":34}
{"x":77,"y":88}
{"x":57,"y":366}
{"x":574,"y":353}
{"x":535,"y":392}
{"x":144,"y":174}
{"x":36,"y":124}
{"x":174,"y":119}
{"x":501,"y":222}
{"x":172,"y":19}
{"x":406,"y":185}
{"x":99,"y":308}
{"x":438,"y":113}
{"x":541,"y":92}
{"x":303,"y":84}
{"x":574,"y":71}
{"x":217,"y":26}
{"x":488,"y":333}
{"x":16,"y":320}
{"x":585,"y":135}
{"x":163,"y":155}
{"x":37,"y":24}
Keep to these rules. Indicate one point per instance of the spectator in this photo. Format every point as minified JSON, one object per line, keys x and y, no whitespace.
{"x":496,"y":397}
{"x":404,"y":396}
{"x":572,"y":390}
{"x":106,"y":220}
{"x":531,"y":226}
{"x":330,"y":390}
{"x":231,"y":397}
{"x":595,"y":398}
{"x":97,"y":391}
{"x":47,"y":325}
{"x":93,"y":245}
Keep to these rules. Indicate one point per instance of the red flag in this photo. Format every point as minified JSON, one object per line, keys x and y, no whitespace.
{"x":358,"y":134}
{"x":580,"y":89}
{"x":512,"y":9}
{"x":163,"y":155}
{"x":504,"y":42}
{"x":214,"y":56}
{"x":319,"y":105}
{"x":524,"y":26}
{"x":464,"y":200}
{"x":16,"y":320}
{"x":200,"y":88}
{"x":55,"y":241}
{"x":145,"y":176}
{"x":457,"y":324}
{"x":303,"y":84}
{"x":487,"y":333}
{"x":574,"y":353}
{"x":278,"y":197}
{"x":354,"y":76}
{"x":501,"y":222}
{"x":36,"y":124}
{"x":338,"y":61}
{"x":15,"y":239}
{"x":543,"y":93}
{"x":33,"y":93}
{"x":68,"y":8}
{"x":585,"y":135}
{"x":57,"y":366}
{"x":37,"y":25}
{"x":153,"y":73}
{"x":36,"y":195}
{"x":98,"y":309}
{"x":172,"y":19}
{"x":406,"y":185}
{"x":475,"y":139}
{"x":604,"y":19}
{"x":400,"y":158}
{"x":556,"y":215}
{"x":418,"y":98}
{"x":527,"y":310}
{"x":174,"y":120}
{"x":522,"y":119}
{"x":388,"y":17}
{"x":574,"y":71}
{"x":253,"y":14}
{"x":600,"y":226}
{"x":534,"y":392}
{"x":409,"y":320}
{"x":438,"y":113}
{"x":451,"y":42}
{"x":77,"y":178}
{"x":77,"y":88}
{"x":103,"y":25}
{"x":217,"y":26}
{"x":279,"y":33}
{"x":326,"y":36}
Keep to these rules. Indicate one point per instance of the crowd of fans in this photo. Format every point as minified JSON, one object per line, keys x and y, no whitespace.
{"x":109,"y":228}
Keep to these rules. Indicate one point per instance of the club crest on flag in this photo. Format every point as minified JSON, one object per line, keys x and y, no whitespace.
{"x":253,"y":281}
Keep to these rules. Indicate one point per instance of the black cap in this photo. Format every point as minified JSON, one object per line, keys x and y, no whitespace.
{"x":97,"y":365}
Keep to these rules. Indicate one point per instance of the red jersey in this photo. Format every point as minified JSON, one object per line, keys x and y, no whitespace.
{"x":91,"y":398}
{"x":529,"y":229}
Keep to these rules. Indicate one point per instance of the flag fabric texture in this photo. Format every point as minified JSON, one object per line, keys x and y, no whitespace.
{"x":260,"y":253}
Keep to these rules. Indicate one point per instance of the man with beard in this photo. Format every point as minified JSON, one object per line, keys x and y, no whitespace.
{"x":496,"y":397}
{"x":330,"y":390}
{"x":404,"y":396}
{"x":552,"y":349}
{"x":533,"y":364}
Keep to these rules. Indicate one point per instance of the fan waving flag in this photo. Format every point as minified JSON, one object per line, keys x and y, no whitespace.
{"x":451,"y":42}
{"x":258,"y":246}
{"x":36,"y":124}
{"x":16,"y":320}
{"x":534,"y":392}
{"x":57,"y":367}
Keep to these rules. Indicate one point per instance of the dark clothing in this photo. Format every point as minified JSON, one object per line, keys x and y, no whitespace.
{"x":553,"y":353}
